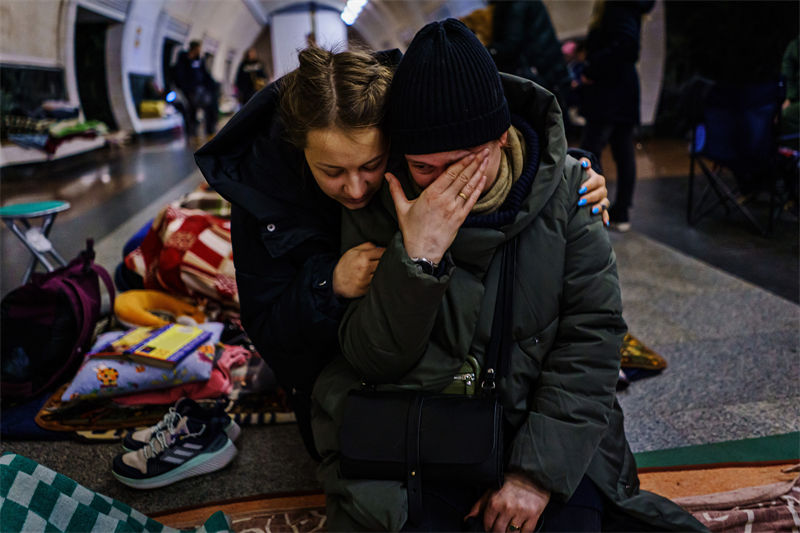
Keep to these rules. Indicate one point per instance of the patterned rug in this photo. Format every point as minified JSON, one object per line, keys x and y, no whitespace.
{"x":764,"y":508}
{"x":755,"y":498}
{"x":299,"y":513}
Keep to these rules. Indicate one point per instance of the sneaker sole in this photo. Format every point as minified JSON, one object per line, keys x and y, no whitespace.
{"x":620,"y":227}
{"x":232,"y":430}
{"x":202,"y":464}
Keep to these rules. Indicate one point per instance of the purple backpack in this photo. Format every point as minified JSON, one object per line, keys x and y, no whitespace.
{"x":48,"y":324}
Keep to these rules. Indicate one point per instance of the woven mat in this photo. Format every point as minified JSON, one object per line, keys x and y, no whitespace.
{"x":298,"y":513}
{"x":103,"y":420}
{"x":681,"y":483}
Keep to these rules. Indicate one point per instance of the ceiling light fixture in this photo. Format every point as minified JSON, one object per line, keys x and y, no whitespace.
{"x":352,"y":10}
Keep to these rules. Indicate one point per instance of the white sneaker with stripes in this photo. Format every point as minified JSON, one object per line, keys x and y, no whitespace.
{"x":192,"y":448}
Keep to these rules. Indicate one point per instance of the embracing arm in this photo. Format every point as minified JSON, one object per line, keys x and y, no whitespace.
{"x":384,"y":334}
{"x":288,"y":305}
{"x":593,"y":188}
{"x":575,"y":391}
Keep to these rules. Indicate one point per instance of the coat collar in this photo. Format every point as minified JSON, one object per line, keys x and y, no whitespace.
{"x":540,"y":109}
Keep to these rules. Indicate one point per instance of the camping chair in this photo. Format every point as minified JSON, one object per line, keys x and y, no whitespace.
{"x":733,"y":134}
{"x":17,"y":218}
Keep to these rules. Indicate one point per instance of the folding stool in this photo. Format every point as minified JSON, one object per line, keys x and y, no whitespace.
{"x":35,"y":238}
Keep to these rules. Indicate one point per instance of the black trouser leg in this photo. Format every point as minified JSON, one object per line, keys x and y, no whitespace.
{"x":625,"y":158}
{"x":211,"y":114}
{"x":595,"y":138}
{"x":445,"y":505}
{"x":190,"y":117}
{"x":583,"y":511}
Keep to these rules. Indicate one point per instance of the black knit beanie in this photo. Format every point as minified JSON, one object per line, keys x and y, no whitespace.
{"x":446,"y":93}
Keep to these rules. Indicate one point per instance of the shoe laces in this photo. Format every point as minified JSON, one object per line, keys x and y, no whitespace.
{"x":169,"y":422}
{"x":161,"y":440}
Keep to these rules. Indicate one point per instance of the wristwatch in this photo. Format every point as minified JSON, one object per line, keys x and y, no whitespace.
{"x":425,"y":265}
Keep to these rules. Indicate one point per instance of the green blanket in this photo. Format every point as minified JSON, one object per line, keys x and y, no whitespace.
{"x":34,"y":498}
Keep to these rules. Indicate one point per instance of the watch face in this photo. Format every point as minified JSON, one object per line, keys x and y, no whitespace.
{"x":426,"y":267}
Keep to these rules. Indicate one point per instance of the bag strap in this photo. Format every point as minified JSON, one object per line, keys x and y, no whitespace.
{"x":102,"y":273}
{"x":413,"y":459}
{"x":85,"y":308}
{"x":87,"y":256}
{"x":106,"y":277}
{"x":498,"y":352}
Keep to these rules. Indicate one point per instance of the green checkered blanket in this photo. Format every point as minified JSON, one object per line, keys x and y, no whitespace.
{"x":34,"y":498}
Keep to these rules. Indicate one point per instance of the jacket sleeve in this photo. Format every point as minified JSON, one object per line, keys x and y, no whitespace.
{"x":575,"y":391}
{"x":386,"y":332}
{"x":287,"y":303}
{"x":789,"y":69}
{"x":179,"y":72}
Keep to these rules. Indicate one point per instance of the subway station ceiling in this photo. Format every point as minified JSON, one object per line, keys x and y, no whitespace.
{"x":386,"y":24}
{"x":380,"y":23}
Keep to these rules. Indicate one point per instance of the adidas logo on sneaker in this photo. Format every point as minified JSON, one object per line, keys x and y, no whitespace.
{"x":192,"y":448}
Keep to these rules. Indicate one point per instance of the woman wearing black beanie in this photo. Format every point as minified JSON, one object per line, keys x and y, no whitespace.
{"x":487,"y":164}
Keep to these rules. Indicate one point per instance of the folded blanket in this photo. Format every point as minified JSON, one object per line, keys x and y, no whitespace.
{"x":768,"y":508}
{"x":219,"y":384}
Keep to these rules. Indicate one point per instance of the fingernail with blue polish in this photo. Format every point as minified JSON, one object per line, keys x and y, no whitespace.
{"x":585,"y":164}
{"x":583,"y":190}
{"x":608,"y":223}
{"x":582,"y":201}
{"x":595,"y":210}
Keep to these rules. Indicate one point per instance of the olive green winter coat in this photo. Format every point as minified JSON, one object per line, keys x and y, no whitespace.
{"x":413,"y":330}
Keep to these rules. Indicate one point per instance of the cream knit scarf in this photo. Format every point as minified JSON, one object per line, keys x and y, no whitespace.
{"x":512,"y":161}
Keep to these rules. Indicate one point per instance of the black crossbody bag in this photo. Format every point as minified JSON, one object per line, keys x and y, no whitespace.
{"x":414,"y":436}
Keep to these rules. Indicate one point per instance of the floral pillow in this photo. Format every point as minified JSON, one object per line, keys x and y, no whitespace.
{"x":100,"y":377}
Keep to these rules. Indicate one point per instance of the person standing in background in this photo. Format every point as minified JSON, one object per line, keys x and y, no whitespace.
{"x":790,"y":70}
{"x":611,"y":94}
{"x":524,"y":43}
{"x":251,"y":77}
{"x":199,"y":89}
